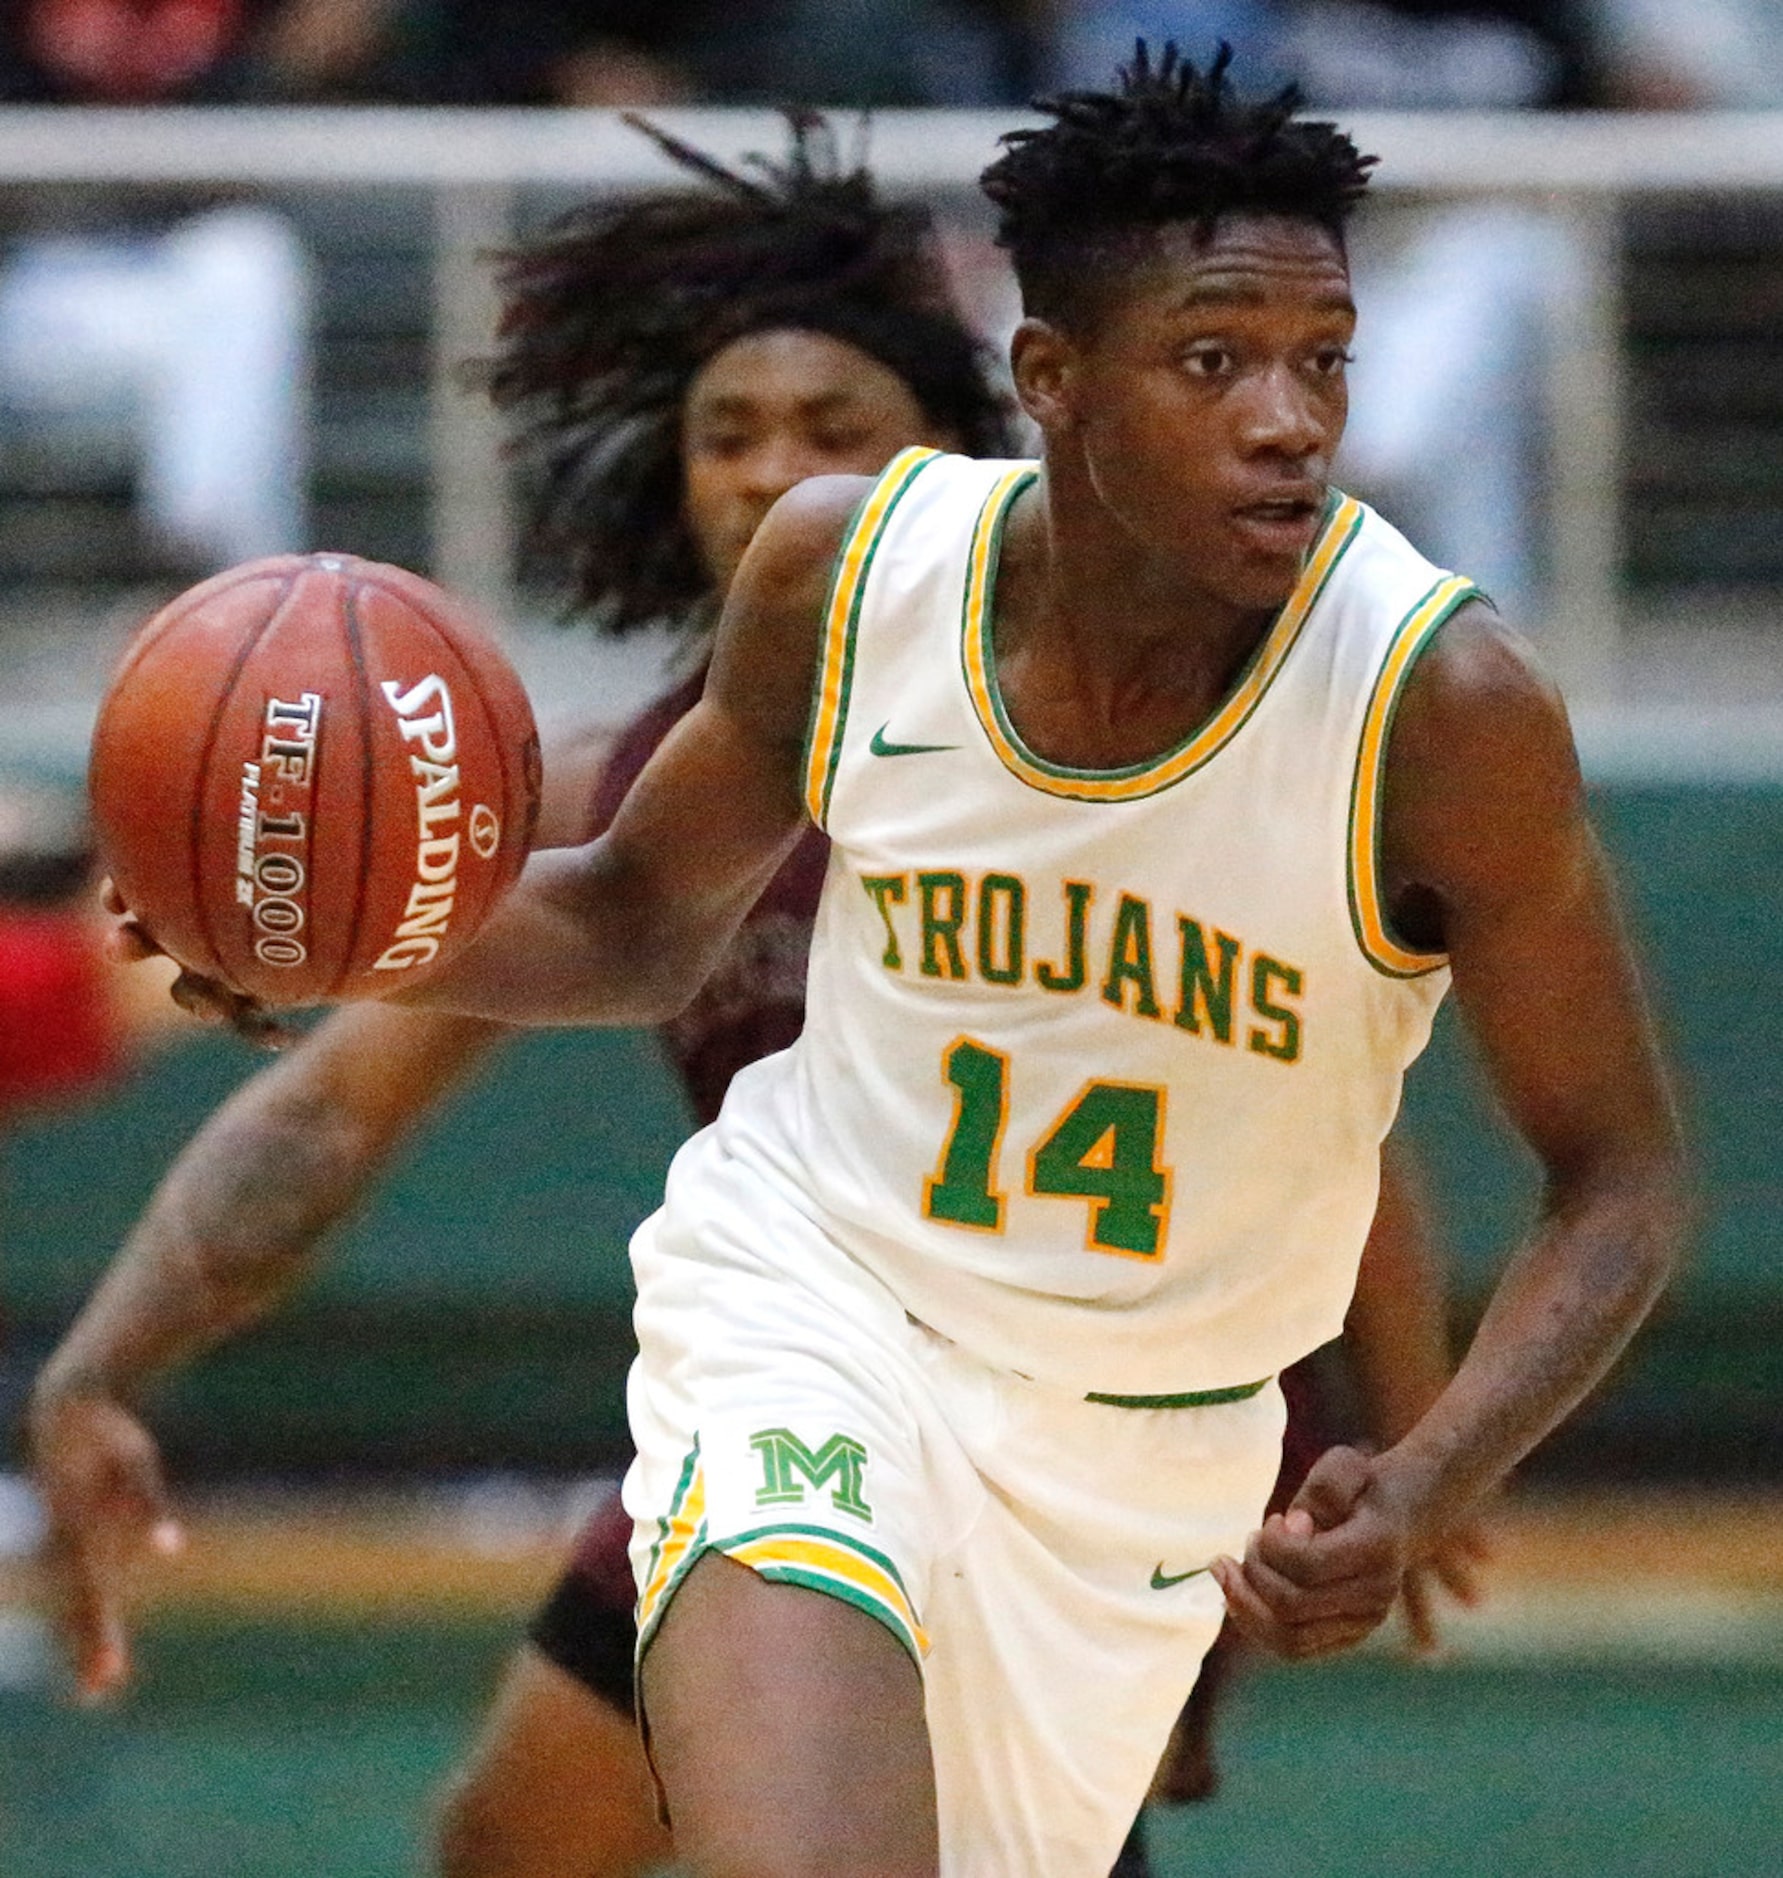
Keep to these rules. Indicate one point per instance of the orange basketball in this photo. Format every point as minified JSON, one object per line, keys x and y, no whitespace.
{"x":313,"y":776}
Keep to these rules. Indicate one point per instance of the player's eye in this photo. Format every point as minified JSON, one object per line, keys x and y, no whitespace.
{"x":1209,"y":359}
{"x":1331,"y":361}
{"x":840,"y":442}
{"x":724,"y":444}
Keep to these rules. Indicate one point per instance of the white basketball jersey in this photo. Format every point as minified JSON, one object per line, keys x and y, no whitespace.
{"x":1097,"y":1064}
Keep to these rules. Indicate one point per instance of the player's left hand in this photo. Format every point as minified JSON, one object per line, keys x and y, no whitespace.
{"x":129,"y":942}
{"x":1323,"y":1575}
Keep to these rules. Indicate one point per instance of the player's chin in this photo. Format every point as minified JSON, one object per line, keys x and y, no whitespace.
{"x":1257,"y":583}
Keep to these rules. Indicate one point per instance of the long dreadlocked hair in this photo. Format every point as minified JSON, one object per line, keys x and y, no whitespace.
{"x":1080,"y":196}
{"x":612,"y":311}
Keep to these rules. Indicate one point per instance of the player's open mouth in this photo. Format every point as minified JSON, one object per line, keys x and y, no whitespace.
{"x":1281,"y":524}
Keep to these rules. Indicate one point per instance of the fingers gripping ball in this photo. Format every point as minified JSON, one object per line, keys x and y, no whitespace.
{"x":313,"y":776}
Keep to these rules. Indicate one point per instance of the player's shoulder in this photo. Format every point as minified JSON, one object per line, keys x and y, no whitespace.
{"x":1481,"y":736}
{"x":1480,"y":677}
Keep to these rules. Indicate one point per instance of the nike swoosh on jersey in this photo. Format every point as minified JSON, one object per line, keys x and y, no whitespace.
{"x":1162,"y":1583}
{"x":879,"y":746}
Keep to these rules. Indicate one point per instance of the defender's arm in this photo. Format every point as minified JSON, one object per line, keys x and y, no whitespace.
{"x":234,"y":1228}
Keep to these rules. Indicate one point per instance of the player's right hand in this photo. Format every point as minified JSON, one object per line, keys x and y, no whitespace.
{"x":99,"y":1472}
{"x":129,"y":942}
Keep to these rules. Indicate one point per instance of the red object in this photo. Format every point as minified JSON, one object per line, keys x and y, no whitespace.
{"x":131,"y":50}
{"x":58,"y":1032}
{"x":313,"y":776}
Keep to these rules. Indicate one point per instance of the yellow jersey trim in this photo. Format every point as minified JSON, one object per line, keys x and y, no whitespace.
{"x":1367,"y":901}
{"x":835,"y":667}
{"x":1342,"y":521}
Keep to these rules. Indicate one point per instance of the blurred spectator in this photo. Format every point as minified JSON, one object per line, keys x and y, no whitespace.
{"x":60,"y":1032}
{"x":1725,"y":55}
{"x":185,"y":330}
{"x":192,"y":339}
{"x":641,"y":52}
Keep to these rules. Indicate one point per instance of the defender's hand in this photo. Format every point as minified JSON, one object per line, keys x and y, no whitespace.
{"x":1324,"y":1574}
{"x":129,"y":942}
{"x":99,"y":1472}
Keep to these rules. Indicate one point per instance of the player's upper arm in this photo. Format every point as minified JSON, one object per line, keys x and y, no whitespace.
{"x":721,"y":802}
{"x":1488,"y":852}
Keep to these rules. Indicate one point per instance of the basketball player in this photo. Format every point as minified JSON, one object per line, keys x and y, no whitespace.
{"x":830,"y":349}
{"x":1167,"y":791}
{"x":549,"y":1790}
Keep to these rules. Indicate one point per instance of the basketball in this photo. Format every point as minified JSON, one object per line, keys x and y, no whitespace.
{"x":313,"y":776}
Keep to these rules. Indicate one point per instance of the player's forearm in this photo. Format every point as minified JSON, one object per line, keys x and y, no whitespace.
{"x":1565,"y":1309}
{"x":590,"y":936}
{"x":1397,"y":1333}
{"x":232,"y":1230}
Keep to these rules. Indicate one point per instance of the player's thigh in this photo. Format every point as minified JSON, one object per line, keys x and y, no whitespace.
{"x":787,"y":1728}
{"x":556,"y":1786}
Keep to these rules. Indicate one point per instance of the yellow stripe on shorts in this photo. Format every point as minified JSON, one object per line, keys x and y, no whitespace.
{"x":679,"y":1542}
{"x":822,"y":1560}
{"x":829,"y":706}
{"x":1367,"y":911}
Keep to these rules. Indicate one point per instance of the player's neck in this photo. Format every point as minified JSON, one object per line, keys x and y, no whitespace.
{"x":1081,"y":610}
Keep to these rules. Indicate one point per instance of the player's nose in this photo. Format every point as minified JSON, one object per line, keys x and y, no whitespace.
{"x":1282,"y":416}
{"x":777,"y":465}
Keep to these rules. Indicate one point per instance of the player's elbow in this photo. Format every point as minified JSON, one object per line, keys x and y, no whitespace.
{"x":1643,"y":1198}
{"x":268,"y":1191}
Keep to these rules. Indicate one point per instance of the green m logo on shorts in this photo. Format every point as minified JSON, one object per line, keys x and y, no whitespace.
{"x":784,"y":1456}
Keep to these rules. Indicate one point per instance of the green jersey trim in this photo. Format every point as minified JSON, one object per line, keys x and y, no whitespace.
{"x":1341,"y":522}
{"x":1368,"y":902}
{"x":1193,"y":1398}
{"x":835,"y":665}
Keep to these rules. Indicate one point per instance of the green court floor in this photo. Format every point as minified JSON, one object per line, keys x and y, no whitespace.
{"x":255,"y":1750}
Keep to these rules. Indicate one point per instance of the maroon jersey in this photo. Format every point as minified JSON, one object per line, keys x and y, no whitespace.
{"x":754,"y":1002}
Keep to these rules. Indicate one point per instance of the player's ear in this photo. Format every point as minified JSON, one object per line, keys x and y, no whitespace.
{"x":1043,"y":363}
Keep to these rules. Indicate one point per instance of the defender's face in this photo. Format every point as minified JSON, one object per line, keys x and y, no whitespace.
{"x":1209,"y":399}
{"x":772,"y":409}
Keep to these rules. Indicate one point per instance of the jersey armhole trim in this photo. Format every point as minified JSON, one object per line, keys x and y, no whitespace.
{"x":835,"y":665}
{"x":1368,"y":906}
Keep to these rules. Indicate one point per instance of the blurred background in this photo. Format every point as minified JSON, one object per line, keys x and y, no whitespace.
{"x":241,"y":260}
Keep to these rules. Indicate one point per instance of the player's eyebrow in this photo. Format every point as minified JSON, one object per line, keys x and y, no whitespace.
{"x":742,"y":404}
{"x":1231,"y":290}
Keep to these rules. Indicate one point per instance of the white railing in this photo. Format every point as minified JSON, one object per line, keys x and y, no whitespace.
{"x":1579,"y":169}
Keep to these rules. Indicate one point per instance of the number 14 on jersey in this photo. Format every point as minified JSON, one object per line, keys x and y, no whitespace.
{"x":1104,"y":1148}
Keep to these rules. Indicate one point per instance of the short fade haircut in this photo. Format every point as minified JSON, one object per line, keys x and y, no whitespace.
{"x":1081,"y":196}
{"x":611,"y":312}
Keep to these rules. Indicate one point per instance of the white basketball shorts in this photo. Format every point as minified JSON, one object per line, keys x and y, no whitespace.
{"x":1042,"y":1556}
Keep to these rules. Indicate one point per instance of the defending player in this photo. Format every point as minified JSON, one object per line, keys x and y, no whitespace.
{"x":1167,"y":789}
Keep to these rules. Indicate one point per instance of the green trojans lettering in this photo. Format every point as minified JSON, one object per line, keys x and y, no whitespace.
{"x":785,"y":1457}
{"x":998,"y":928}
